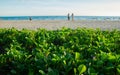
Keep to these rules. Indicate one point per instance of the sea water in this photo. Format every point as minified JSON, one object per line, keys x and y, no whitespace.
{"x":111,"y":18}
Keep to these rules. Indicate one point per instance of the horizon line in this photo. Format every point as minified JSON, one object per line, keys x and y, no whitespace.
{"x":52,"y":15}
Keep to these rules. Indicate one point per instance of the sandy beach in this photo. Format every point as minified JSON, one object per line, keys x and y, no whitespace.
{"x":55,"y":24}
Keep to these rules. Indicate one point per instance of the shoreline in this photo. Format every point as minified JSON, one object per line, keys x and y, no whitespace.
{"x":58,"y":24}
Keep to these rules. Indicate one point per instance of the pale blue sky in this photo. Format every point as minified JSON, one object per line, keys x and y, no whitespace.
{"x":59,"y":7}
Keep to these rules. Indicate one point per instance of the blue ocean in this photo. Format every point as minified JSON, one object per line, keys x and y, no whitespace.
{"x":111,"y":18}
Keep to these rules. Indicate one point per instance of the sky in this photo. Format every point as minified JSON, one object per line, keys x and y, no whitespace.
{"x":59,"y":7}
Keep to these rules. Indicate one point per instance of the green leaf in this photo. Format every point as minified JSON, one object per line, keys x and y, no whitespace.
{"x":81,"y":68}
{"x":91,"y":70}
{"x":52,"y":72}
{"x":111,"y":57}
{"x":100,"y":63}
{"x":41,"y":72}
{"x":77,"y":55}
{"x":118,"y":70}
{"x":31,"y":72}
{"x":13,"y":71}
{"x":93,"y":74}
{"x":75,"y":71}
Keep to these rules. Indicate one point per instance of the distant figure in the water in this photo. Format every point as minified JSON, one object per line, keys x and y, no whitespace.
{"x":68,"y":17}
{"x":30,"y":18}
{"x":72,"y":17}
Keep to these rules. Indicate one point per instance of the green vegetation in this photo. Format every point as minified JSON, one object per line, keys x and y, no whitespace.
{"x":59,"y":52}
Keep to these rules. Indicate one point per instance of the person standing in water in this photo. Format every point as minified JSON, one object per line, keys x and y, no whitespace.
{"x":68,"y":17}
{"x":30,"y":18}
{"x":72,"y":17}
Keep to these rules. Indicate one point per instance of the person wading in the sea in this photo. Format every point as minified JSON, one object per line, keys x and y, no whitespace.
{"x":72,"y":17}
{"x":68,"y":17}
{"x":30,"y":18}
